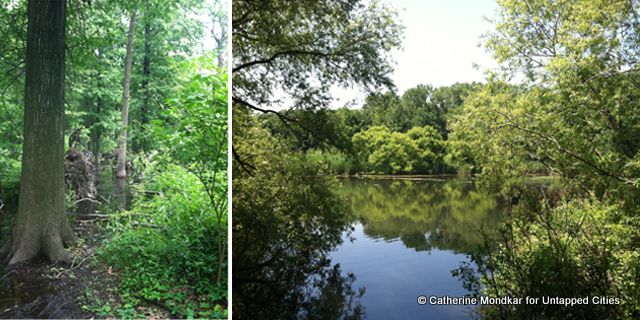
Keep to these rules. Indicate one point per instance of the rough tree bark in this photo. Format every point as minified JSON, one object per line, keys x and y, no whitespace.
{"x":41,"y":226}
{"x":121,"y":166}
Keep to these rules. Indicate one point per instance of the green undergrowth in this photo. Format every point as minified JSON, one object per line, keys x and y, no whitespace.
{"x":163,"y":249}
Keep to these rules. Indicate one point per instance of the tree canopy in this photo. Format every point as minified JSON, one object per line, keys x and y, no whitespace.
{"x":292,"y":54}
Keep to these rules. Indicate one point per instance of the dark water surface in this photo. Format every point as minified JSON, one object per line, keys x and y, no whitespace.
{"x":28,"y":293}
{"x":408,"y":237}
{"x":115,"y":193}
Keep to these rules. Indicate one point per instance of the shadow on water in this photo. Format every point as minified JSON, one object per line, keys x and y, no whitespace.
{"x":280,"y":266}
{"x":32,"y":291}
{"x":29,"y":293}
{"x":397,"y":239}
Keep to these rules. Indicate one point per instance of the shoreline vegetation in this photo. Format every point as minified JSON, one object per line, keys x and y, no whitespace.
{"x":425,"y":176}
{"x":562,"y":103}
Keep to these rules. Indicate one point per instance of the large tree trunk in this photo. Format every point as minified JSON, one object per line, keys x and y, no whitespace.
{"x":41,"y":225}
{"x":121,"y":166}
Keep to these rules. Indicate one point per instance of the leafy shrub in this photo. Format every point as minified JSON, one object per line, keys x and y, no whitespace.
{"x":330,"y":161}
{"x":165,"y":245}
{"x":580,"y":248}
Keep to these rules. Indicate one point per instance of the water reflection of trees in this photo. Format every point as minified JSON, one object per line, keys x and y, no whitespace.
{"x":283,"y":229}
{"x":449,"y":215}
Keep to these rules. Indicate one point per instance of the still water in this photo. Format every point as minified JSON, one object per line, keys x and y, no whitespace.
{"x":30,"y":293}
{"x":407,"y":238}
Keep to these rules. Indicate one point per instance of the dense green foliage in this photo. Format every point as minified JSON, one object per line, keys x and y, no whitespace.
{"x":420,"y":150}
{"x":197,"y":139}
{"x":574,"y":115}
{"x":169,"y":248}
{"x":164,"y":246}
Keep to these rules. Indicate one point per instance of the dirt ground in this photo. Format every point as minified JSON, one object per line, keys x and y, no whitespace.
{"x":39,"y":290}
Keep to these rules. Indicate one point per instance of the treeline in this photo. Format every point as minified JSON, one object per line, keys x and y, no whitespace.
{"x":389,"y":134}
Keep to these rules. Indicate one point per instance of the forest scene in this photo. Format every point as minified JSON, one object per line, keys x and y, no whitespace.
{"x":375,"y":162}
{"x":113,"y":159}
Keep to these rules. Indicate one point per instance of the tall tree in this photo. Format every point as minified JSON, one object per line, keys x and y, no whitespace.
{"x":41,"y":226}
{"x":121,"y":166}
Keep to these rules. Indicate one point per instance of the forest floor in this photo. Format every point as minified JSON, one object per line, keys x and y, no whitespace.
{"x":85,"y":289}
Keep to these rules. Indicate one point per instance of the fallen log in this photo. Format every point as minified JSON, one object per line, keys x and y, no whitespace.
{"x":87,"y":199}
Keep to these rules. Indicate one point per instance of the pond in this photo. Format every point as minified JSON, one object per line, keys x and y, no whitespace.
{"x":407,"y":238}
{"x":391,"y":241}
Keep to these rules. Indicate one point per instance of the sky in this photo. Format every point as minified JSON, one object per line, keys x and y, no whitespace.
{"x":207,"y":42}
{"x":441,"y":41}
{"x":440,"y":46}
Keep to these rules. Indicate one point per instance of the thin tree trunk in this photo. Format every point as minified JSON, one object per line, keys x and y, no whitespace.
{"x":41,"y":225}
{"x":96,"y":131}
{"x":96,"y":136}
{"x":219,"y":33}
{"x":121,"y":167}
{"x":146,"y":74}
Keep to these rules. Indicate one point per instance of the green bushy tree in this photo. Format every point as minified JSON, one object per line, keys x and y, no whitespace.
{"x":572,"y":116}
{"x":421,"y":150}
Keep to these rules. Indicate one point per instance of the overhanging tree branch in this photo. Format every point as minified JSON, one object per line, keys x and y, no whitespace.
{"x":247,"y":167}
{"x":279,"y":54}
{"x":563,"y":149}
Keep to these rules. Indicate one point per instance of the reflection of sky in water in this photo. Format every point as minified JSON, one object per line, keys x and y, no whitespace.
{"x":410,"y":236}
{"x":394,"y":276}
